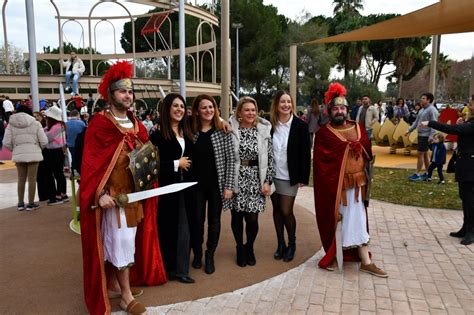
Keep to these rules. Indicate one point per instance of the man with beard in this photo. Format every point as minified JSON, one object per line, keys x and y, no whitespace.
{"x":115,"y":238}
{"x":342,"y":150}
{"x":367,"y":115}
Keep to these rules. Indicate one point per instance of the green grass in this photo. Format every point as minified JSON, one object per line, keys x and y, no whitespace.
{"x":392,"y":185}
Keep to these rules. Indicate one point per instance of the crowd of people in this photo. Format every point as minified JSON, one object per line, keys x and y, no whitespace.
{"x":237,"y":165}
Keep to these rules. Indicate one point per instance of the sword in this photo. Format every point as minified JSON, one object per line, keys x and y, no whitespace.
{"x":123,"y":199}
{"x":339,"y":255}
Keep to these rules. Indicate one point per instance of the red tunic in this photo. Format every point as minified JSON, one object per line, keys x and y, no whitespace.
{"x":330,"y":154}
{"x":102,"y":143}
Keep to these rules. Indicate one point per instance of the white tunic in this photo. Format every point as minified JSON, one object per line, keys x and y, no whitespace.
{"x":119,"y":243}
{"x":354,"y":221}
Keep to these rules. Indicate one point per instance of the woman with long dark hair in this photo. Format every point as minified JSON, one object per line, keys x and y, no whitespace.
{"x":213,"y":164}
{"x":253,"y":175}
{"x":292,"y":159}
{"x":174,"y":142}
{"x":54,"y":156}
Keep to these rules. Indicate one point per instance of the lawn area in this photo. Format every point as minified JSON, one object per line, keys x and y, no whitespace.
{"x":392,"y":185}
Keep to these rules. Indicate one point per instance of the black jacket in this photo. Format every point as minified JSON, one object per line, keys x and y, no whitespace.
{"x":167,"y":215}
{"x":298,"y":152}
{"x":465,"y":160}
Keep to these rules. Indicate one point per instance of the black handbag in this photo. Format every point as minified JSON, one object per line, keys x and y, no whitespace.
{"x":452,"y":163}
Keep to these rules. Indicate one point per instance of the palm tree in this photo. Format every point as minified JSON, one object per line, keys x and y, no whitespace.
{"x":351,"y":7}
{"x":443,"y":71}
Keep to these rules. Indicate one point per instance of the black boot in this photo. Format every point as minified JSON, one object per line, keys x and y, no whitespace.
{"x":209,"y":262}
{"x":280,"y":251}
{"x":290,"y":252}
{"x":461,"y":233}
{"x":468,"y":238}
{"x":197,"y":261}
{"x":251,"y":261}
{"x":241,"y":256}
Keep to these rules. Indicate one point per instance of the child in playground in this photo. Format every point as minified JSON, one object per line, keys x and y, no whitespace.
{"x":438,"y":157}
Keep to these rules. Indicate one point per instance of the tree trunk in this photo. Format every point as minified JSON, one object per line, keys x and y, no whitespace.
{"x":400,"y":80}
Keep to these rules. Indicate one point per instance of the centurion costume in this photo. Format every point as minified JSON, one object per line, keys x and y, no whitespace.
{"x":341,"y":159}
{"x":117,"y":161}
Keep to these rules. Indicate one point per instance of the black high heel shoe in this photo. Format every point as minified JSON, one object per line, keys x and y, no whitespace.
{"x":280,"y":251}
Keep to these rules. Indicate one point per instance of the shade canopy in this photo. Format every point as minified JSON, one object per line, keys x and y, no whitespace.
{"x":444,"y":17}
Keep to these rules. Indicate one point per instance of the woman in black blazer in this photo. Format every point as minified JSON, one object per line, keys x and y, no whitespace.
{"x":292,"y":159}
{"x":174,"y":142}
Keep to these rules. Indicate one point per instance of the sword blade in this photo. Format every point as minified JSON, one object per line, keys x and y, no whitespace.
{"x":168,"y":189}
{"x":339,"y":255}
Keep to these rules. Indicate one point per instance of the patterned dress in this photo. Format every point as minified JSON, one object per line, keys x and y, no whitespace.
{"x":250,"y":198}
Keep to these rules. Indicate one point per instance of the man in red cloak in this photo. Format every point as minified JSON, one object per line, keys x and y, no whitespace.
{"x":116,"y":238}
{"x":342,"y":150}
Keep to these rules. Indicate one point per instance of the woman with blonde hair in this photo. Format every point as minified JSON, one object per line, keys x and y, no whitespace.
{"x":253,"y":175}
{"x":214,"y":170}
{"x":292,"y":159}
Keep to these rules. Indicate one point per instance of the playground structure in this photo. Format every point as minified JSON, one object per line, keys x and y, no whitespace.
{"x":146,"y":87}
{"x":393,"y":134}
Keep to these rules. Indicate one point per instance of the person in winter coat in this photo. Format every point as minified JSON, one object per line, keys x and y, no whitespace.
{"x":74,"y":68}
{"x":25,"y":137}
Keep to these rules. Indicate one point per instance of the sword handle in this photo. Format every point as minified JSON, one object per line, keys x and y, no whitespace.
{"x":121,"y":200}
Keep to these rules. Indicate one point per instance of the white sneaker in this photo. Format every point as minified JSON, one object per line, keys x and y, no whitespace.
{"x":67,"y":89}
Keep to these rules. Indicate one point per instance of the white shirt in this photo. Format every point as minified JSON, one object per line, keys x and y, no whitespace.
{"x":280,"y":145}
{"x":183,"y":146}
{"x":8,"y":106}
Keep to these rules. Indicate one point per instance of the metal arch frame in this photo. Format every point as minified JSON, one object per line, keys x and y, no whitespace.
{"x":60,"y":36}
{"x":212,"y":63}
{"x":47,"y":62}
{"x":82,"y":33}
{"x":199,"y":42}
{"x":194,"y":65}
{"x":97,"y":67}
{"x":95,"y":32}
{"x":90,"y":32}
{"x":143,"y":102}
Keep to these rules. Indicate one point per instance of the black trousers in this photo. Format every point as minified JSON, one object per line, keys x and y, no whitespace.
{"x":212,"y":197}
{"x":437,"y":166}
{"x":182,"y":249}
{"x":54,"y":160}
{"x":466,"y":192}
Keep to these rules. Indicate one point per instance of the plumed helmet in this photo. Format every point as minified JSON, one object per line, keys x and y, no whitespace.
{"x":335,"y":95}
{"x":117,"y":77}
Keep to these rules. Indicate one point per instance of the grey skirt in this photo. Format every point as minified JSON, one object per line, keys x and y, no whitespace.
{"x":283,"y":187}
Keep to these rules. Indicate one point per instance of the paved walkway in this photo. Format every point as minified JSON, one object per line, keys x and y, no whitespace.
{"x":429,"y":272}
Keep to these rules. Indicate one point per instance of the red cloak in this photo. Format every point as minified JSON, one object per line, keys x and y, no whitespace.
{"x":102,"y":141}
{"x":329,"y":157}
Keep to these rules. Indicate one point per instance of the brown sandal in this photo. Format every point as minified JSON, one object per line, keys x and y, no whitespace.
{"x":134,"y":308}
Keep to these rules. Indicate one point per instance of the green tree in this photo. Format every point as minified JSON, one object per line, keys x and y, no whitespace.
{"x":314,"y":62}
{"x":405,"y":56}
{"x":15,"y":58}
{"x":260,"y":40}
{"x":345,"y":19}
{"x":352,"y":7}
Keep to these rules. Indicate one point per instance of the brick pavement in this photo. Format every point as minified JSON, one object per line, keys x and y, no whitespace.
{"x":429,"y":272}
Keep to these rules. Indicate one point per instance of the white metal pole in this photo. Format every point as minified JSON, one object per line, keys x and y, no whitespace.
{"x":30,"y":25}
{"x":182,"y":51}
{"x":225,"y":58}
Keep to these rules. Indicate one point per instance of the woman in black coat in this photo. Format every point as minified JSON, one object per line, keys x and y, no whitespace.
{"x":292,"y":163}
{"x":464,"y":129}
{"x":174,"y":142}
